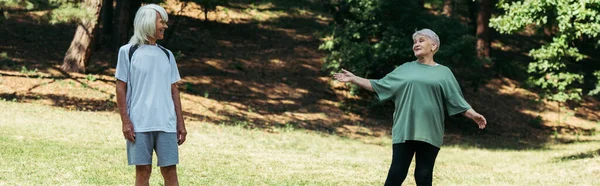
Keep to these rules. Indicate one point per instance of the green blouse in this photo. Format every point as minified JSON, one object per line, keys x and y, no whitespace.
{"x":421,"y":94}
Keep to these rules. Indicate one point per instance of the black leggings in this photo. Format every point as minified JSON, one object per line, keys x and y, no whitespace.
{"x":402,"y":157}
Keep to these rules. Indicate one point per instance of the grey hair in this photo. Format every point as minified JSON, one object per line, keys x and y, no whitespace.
{"x":144,"y":24}
{"x":429,"y":34}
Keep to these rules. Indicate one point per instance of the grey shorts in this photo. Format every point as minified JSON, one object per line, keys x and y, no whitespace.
{"x":165,"y":145}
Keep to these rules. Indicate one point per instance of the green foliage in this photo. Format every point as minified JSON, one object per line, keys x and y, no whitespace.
{"x":61,"y":11}
{"x":208,"y":5}
{"x":596,"y":91}
{"x":90,"y":78}
{"x":552,"y":69}
{"x":69,"y":12}
{"x":28,"y":72}
{"x":28,"y":5}
{"x":4,"y":56}
{"x":371,"y":37}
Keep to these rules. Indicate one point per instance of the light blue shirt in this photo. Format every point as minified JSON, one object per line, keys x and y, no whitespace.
{"x":149,"y":77}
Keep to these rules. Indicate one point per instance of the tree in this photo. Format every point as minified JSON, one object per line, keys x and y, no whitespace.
{"x":208,"y":5}
{"x":125,"y":13}
{"x":107,"y":17}
{"x":80,"y":50}
{"x":483,"y":29}
{"x":572,"y":24}
{"x":371,"y":37}
{"x":447,"y":9}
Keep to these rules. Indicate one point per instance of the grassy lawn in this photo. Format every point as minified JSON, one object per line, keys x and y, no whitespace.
{"x":42,"y":145}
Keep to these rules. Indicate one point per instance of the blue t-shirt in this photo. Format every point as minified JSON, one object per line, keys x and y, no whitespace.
{"x":149,"y":76}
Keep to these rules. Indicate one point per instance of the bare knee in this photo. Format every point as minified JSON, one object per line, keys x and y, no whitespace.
{"x":170,"y":175}
{"x":143,"y":169}
{"x":142,"y":174}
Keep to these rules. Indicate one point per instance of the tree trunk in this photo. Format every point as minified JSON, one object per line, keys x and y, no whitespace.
{"x":80,"y":50}
{"x":107,"y":17}
{"x":447,"y":10}
{"x":206,"y":12}
{"x":125,"y":14}
{"x":483,"y":28}
{"x":176,"y":18}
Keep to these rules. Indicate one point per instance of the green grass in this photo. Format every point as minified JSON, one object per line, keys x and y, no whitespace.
{"x":41,"y":145}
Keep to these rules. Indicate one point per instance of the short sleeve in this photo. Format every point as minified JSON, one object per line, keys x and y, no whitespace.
{"x":174,"y":70}
{"x":122,"y":72}
{"x":384,"y":88}
{"x":453,"y":97}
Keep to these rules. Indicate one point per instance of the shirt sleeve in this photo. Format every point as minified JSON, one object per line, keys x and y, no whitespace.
{"x":174,"y":70}
{"x":453,"y":97}
{"x":122,"y":72}
{"x":384,"y":87}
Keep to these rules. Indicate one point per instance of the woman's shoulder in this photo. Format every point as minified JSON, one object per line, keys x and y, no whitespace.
{"x":125,"y":48}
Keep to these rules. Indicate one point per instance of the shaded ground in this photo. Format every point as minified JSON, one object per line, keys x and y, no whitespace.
{"x":258,"y":65}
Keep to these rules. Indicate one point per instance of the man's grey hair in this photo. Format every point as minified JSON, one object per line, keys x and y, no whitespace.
{"x":144,"y":24}
{"x":429,"y":34}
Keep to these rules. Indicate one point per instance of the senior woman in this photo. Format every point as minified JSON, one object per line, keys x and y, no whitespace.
{"x":422,"y":91}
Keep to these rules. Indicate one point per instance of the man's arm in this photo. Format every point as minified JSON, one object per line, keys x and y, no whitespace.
{"x":181,"y":131}
{"x":128,"y":130}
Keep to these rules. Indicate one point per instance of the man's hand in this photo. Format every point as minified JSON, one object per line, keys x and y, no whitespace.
{"x":128,"y":131}
{"x":181,"y":133}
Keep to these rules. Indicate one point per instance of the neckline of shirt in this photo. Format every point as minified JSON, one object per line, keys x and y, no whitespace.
{"x":436,"y":64}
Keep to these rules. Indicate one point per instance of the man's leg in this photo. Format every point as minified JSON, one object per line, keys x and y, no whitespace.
{"x":401,"y":158}
{"x":170,"y":175}
{"x":142,"y":175}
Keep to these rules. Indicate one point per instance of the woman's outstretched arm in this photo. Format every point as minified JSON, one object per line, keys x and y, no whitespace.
{"x":346,"y":76}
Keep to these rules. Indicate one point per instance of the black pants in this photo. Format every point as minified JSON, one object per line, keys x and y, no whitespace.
{"x":401,"y":158}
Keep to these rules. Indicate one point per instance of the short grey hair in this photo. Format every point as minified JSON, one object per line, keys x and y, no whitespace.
{"x":429,"y":34}
{"x":144,"y":24}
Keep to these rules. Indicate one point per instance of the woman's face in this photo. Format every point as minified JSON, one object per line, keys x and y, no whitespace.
{"x":161,"y":26}
{"x":423,"y":46}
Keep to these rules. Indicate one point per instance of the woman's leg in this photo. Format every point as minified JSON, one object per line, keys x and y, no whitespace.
{"x":401,"y":158}
{"x":425,"y":160}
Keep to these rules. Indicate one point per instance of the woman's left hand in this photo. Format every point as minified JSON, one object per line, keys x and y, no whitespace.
{"x":476,"y":117}
{"x":480,"y":120}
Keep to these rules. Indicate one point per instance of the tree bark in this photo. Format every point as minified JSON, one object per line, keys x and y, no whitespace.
{"x":107,"y":17}
{"x":483,"y":29}
{"x":206,"y":12}
{"x":80,"y":50}
{"x":125,"y":14}
{"x":447,"y":10}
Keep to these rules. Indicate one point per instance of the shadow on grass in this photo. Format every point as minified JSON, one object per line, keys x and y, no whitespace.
{"x":583,"y":155}
{"x":63,"y":101}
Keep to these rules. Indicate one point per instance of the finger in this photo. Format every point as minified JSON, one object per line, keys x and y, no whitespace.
{"x":345,"y":71}
{"x":180,"y":139}
{"x":131,"y":136}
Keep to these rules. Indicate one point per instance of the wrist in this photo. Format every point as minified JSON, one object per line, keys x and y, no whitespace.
{"x":353,"y":80}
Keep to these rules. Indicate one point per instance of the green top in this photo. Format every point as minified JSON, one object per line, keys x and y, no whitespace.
{"x":420,"y":93}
